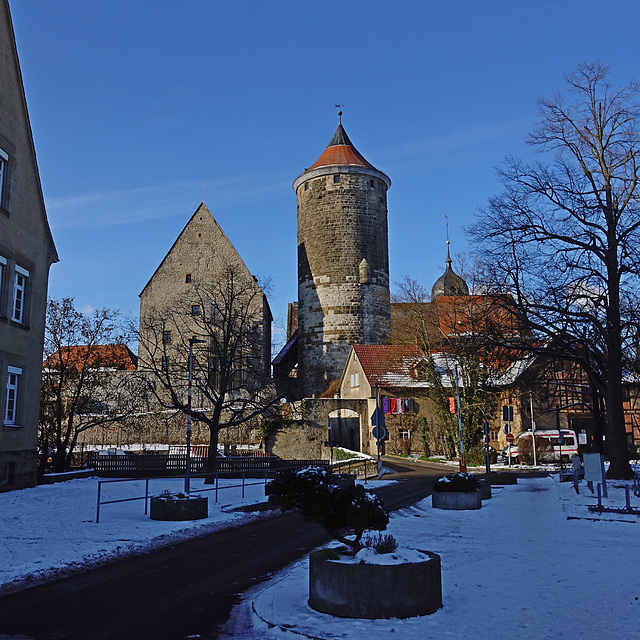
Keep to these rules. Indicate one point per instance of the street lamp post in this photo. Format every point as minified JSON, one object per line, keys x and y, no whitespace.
{"x":187,"y":475}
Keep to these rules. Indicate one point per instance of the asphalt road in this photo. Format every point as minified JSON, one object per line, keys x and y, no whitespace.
{"x":186,"y":590}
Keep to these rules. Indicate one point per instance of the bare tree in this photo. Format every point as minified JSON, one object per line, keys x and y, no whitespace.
{"x":222,"y":323}
{"x":564,"y":237}
{"x":453,"y":337}
{"x":86,"y":381}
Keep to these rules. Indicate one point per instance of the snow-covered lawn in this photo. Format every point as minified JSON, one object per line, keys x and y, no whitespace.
{"x":51,"y":530}
{"x":517,"y":568}
{"x":521,"y":566}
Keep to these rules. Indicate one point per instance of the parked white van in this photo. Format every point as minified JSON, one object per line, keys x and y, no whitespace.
{"x":551,"y":446}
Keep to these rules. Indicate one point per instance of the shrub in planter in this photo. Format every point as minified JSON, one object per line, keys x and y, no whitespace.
{"x":355,"y":584}
{"x":178,"y":506}
{"x":340,"y":511}
{"x":464,"y":482}
{"x":458,"y":491}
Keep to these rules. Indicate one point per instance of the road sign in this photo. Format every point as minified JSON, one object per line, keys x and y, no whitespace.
{"x":510,"y":438}
{"x":377,"y":418}
{"x":379,"y":433}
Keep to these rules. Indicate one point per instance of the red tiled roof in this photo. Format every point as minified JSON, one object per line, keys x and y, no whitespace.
{"x":387,"y":365}
{"x":99,"y":356}
{"x":341,"y":155}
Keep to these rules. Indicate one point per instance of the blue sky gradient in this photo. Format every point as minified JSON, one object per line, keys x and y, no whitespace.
{"x":138,"y":107}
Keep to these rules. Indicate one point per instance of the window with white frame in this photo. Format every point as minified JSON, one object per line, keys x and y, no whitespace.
{"x":404,"y":434}
{"x":11,"y":398}
{"x":20,"y":279}
{"x":4,"y":161}
{"x":355,"y":380}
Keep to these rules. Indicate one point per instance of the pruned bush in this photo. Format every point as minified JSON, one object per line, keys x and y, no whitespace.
{"x":465,"y":482}
{"x":340,"y":511}
{"x":381,"y":542}
{"x":544,"y":450}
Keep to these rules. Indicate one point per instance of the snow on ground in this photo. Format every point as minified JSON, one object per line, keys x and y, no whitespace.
{"x":521,"y":566}
{"x":50,"y":530}
{"x":518,"y":567}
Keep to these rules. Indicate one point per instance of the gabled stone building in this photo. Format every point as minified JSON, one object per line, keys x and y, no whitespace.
{"x":194,"y":286}
{"x":26,"y":253}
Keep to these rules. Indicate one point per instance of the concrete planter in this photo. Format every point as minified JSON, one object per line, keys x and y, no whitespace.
{"x":457,"y":500}
{"x":485,"y":489}
{"x":174,"y":508}
{"x":375,"y":591}
{"x":344,"y":480}
{"x":501,"y":478}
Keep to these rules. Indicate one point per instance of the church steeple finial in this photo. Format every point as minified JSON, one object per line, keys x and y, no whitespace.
{"x":449,"y":283}
{"x":448,"y":260}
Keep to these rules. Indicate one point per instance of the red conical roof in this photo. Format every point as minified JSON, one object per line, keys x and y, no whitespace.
{"x":340,"y":152}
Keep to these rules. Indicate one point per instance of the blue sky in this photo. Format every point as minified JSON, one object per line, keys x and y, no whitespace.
{"x":139,"y":106}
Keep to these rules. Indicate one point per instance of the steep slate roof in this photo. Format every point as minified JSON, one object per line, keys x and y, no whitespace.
{"x":340,"y":152}
{"x":101,"y":356}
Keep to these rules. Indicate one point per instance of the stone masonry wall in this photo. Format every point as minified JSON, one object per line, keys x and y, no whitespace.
{"x":341,"y":302}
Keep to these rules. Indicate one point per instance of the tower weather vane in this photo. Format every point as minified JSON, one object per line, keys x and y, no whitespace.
{"x":339,"y":106}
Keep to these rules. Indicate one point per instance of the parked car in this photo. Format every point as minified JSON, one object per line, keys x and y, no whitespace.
{"x":551,"y":446}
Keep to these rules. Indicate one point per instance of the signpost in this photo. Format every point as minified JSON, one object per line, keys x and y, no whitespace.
{"x":379,"y":432}
{"x":510,"y":439}
{"x":485,"y":426}
{"x":594,"y":470}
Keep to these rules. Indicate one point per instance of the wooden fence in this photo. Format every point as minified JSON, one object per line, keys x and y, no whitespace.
{"x":145,"y":465}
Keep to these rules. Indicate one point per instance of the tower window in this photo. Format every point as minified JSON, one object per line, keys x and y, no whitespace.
{"x":166,"y":337}
{"x":187,"y":278}
{"x":195,"y":309}
{"x":336,"y":179}
{"x":306,"y":186}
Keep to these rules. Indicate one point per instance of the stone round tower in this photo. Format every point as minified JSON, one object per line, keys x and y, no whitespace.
{"x":343,"y":261}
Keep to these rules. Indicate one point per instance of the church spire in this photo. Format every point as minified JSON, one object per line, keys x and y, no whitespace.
{"x":449,"y":283}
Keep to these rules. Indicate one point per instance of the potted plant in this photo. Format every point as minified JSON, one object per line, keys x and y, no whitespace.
{"x":457,"y":491}
{"x":178,"y":506}
{"x":355,"y":580}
